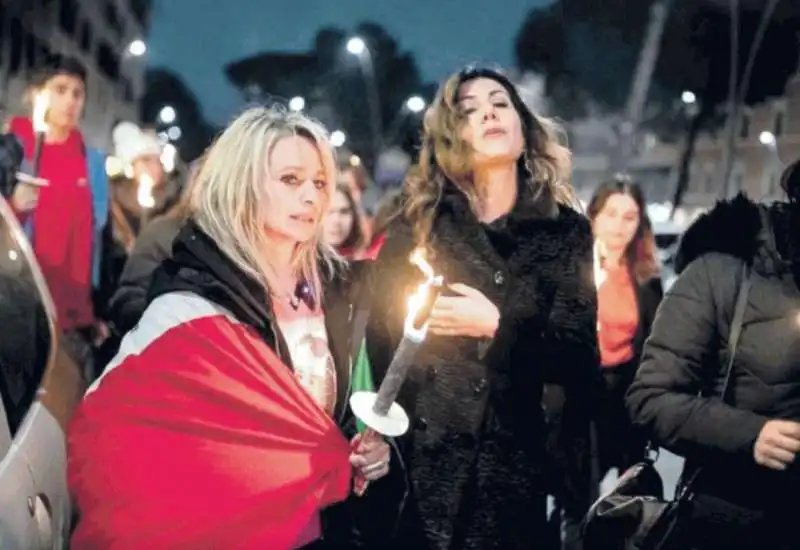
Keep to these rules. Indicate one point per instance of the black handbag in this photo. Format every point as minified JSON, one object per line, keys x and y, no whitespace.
{"x":634,"y":515}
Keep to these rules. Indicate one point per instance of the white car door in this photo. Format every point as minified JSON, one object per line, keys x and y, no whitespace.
{"x":39,"y":391}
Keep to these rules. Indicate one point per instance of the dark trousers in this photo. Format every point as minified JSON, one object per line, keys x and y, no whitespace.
{"x":620,"y":444}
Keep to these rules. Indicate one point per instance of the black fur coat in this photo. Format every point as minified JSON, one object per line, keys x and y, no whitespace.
{"x":480,"y":454}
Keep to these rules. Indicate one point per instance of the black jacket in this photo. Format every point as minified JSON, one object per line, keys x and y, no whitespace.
{"x":648,"y":296}
{"x":198,"y":266}
{"x":153,"y":246}
{"x":685,"y":354}
{"x":477,"y":450}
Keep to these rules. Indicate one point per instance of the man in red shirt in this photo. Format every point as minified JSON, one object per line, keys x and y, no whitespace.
{"x":67,"y":217}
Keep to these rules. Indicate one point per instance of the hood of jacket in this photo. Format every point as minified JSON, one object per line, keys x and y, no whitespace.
{"x":198,"y":265}
{"x":765,"y":236}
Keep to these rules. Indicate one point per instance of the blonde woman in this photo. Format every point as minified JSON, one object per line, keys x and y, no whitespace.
{"x":217,"y":425}
{"x":491,"y":207}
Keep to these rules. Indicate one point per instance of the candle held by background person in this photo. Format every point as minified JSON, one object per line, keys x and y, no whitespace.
{"x":41,"y":104}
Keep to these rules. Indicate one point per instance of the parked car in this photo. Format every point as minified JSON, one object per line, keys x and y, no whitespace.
{"x":40,"y":386}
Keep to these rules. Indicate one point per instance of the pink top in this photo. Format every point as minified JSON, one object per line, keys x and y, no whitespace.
{"x":307,"y":340}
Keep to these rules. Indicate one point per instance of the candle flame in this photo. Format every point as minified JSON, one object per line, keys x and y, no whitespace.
{"x":422,"y":294}
{"x":41,"y":103}
{"x":600,"y":274}
{"x":144,"y":191}
{"x":418,"y":259}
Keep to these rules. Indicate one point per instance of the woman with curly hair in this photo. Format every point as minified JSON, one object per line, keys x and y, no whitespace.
{"x":492,"y":210}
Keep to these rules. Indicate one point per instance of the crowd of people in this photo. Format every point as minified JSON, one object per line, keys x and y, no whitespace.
{"x":223,"y":328}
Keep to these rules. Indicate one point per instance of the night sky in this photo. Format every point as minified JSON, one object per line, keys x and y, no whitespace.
{"x":196,"y":38}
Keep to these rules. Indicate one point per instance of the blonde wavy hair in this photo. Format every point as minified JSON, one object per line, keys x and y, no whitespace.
{"x":228,"y":198}
{"x":545,"y":163}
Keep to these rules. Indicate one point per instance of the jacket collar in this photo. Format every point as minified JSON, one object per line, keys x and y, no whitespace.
{"x":534,"y":203}
{"x":768,"y":237}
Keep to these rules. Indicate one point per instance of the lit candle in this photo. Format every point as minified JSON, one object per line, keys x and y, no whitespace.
{"x":600,"y":274}
{"x":379,"y":411}
{"x":41,"y":103}
{"x":144,"y":191}
{"x":144,"y":196}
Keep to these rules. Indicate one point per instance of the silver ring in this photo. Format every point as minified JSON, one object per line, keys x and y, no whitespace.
{"x":374,"y":467}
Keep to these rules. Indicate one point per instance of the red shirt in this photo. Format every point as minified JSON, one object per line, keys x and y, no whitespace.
{"x":617,"y":316}
{"x":63,"y":226}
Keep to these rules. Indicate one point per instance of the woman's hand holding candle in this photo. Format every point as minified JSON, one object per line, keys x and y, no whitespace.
{"x":470,"y":314}
{"x":370,"y":459}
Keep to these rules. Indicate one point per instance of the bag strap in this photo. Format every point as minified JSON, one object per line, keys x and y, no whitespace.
{"x":737,"y":323}
{"x":736,"y":329}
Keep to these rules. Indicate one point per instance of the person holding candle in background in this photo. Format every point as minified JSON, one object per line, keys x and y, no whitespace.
{"x":492,"y":208}
{"x":66,"y":220}
{"x":628,"y":279}
{"x":140,"y":193}
{"x":143,"y":191}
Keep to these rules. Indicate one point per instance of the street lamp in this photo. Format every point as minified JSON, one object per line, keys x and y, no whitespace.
{"x":337,"y":138}
{"x":137,"y":48}
{"x":174,"y":133}
{"x":688,"y":97}
{"x":767,"y":139}
{"x":297,"y":104}
{"x":356,"y":46}
{"x":167,"y":114}
{"x":415,"y":104}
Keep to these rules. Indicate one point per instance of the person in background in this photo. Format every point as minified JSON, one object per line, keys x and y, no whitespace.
{"x":492,"y":212}
{"x":364,"y":191}
{"x":146,"y":191}
{"x":342,"y":227}
{"x":153,"y":246}
{"x":65,"y":223}
{"x":629,"y":290}
{"x":143,"y":191}
{"x":743,"y":447}
{"x":390,"y":206}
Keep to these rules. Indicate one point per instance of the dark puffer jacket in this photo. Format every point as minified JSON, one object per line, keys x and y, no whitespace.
{"x":685,"y":355}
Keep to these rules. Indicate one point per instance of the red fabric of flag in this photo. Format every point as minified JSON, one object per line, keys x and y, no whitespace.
{"x":202,"y":439}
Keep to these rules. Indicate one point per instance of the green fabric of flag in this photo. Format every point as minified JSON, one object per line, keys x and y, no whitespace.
{"x":362,"y":377}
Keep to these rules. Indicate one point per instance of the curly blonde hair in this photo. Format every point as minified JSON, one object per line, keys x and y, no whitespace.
{"x":545,"y":163}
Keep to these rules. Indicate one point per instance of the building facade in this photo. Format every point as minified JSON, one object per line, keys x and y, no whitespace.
{"x":99,"y":33}
{"x":767,"y":139}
